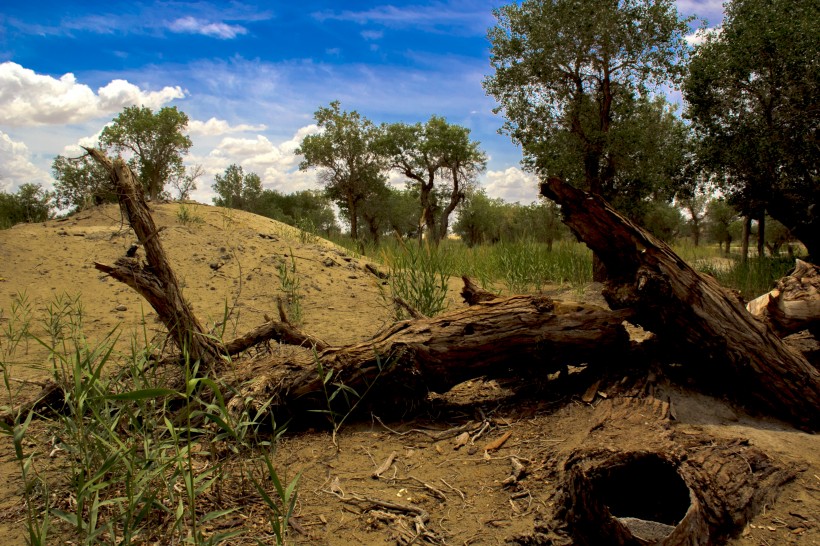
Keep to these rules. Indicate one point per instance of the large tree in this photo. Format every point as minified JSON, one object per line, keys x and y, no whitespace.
{"x":343,"y":151}
{"x":569,"y":74}
{"x":440,"y":162}
{"x":572,"y":78}
{"x":752,"y":95}
{"x":156,"y":142}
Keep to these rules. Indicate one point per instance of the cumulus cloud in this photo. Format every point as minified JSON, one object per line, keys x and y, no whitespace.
{"x":275,"y":163}
{"x":28,"y":98}
{"x":512,"y":185}
{"x":192,"y":25}
{"x":215,"y":127}
{"x":16,"y":167}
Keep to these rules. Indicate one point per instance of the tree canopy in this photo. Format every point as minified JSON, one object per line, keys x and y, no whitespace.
{"x":80,"y":182}
{"x":349,"y":167}
{"x":439,"y":161}
{"x":752,"y":95}
{"x":237,"y":190}
{"x":31,"y":203}
{"x":572,"y":76}
{"x":157,"y":142}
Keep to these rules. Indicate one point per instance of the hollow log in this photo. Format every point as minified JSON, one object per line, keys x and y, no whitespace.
{"x":634,"y":481}
{"x":702,"y":322}
{"x":794,"y":304}
{"x":401,"y":364}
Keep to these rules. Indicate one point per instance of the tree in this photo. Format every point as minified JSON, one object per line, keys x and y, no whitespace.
{"x":695,"y":206}
{"x":349,"y":167}
{"x":721,"y":218}
{"x":752,"y":95}
{"x":237,"y":190}
{"x":308,"y":210}
{"x":186,"y":183}
{"x":664,"y":221}
{"x":80,"y":182}
{"x":440,"y":162}
{"x":572,"y":76}
{"x":31,"y":203}
{"x":157,"y":142}
{"x":567,"y":73}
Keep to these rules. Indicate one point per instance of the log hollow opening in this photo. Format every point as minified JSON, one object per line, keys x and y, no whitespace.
{"x":644,"y":487}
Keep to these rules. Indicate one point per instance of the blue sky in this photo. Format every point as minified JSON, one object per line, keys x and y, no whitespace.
{"x":249,"y":75}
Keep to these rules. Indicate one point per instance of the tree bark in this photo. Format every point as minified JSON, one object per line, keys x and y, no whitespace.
{"x":712,"y":332}
{"x":401,"y":364}
{"x":794,"y":304}
{"x":659,"y":488}
{"x":155,"y":281}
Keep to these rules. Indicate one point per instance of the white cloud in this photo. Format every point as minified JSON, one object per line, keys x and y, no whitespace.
{"x":436,"y":16}
{"x":275,"y":163}
{"x":700,"y":35}
{"x":192,"y":25}
{"x":372,"y":34}
{"x":16,"y":167}
{"x":511,"y":185}
{"x":28,"y":98}
{"x":214,"y":127}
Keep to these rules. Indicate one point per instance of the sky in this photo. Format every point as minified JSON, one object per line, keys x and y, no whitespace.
{"x":250,"y":76}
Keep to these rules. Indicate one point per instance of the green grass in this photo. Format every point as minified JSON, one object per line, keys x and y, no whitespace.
{"x":754,"y":278}
{"x":143,"y":463}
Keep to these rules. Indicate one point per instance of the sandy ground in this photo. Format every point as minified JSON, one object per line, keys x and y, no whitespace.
{"x":231,"y":259}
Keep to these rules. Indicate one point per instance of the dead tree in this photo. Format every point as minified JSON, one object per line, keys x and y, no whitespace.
{"x":658,"y":487}
{"x":156,"y":281}
{"x":794,"y":304}
{"x":702,"y":323}
{"x":402,"y":363}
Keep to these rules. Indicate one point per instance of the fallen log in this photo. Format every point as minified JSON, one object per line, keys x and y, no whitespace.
{"x":704,"y":324}
{"x":402,"y":363}
{"x":794,"y":304}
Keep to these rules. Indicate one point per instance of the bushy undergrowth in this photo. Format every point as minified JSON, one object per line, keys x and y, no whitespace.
{"x":145,"y":459}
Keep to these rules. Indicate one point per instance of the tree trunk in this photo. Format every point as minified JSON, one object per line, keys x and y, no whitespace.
{"x":744,"y":243}
{"x":399,"y":366}
{"x":155,"y":281}
{"x":712,"y":332}
{"x":456,"y":197}
{"x":761,"y":234}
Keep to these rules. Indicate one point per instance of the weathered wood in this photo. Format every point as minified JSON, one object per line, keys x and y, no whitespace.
{"x":157,"y":283}
{"x":702,"y":322}
{"x":794,"y":304}
{"x":633,"y":480}
{"x":400,"y":364}
{"x":156,"y":280}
